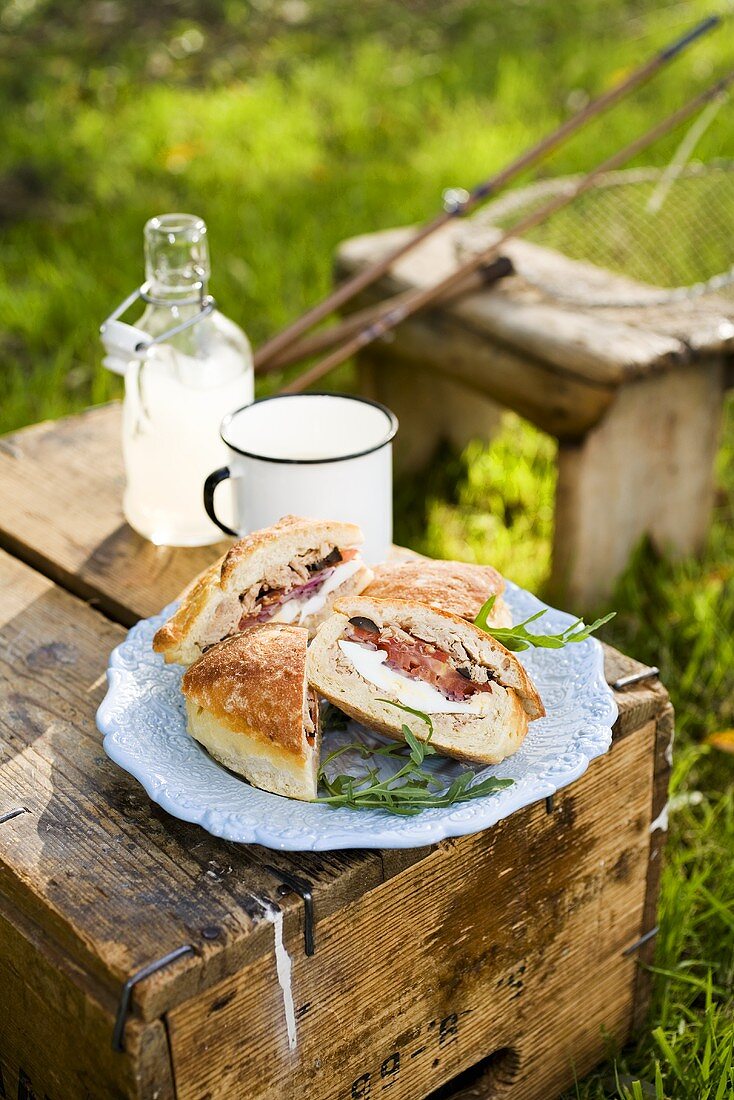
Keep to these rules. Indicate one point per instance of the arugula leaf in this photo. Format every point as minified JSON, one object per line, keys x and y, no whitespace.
{"x":484,"y":613}
{"x":518,"y":638}
{"x":409,"y":710}
{"x":427,"y":747}
{"x":417,"y":748}
{"x":407,"y":792}
{"x":411,"y":798}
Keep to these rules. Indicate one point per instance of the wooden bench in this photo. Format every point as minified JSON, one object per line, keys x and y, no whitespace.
{"x":634,"y":397}
{"x":504,"y":964}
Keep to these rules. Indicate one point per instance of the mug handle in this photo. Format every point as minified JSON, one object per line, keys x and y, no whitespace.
{"x":209,"y":486}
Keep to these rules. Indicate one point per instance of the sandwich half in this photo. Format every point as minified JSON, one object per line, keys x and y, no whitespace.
{"x":477,"y":694}
{"x":456,"y":587}
{"x":248,"y":703}
{"x":291,"y":572}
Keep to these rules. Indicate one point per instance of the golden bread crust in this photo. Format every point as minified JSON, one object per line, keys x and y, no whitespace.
{"x":209,"y":608}
{"x":254,"y":683}
{"x":459,"y":588}
{"x":265,"y":765}
{"x":194,"y":600}
{"x":318,"y":530}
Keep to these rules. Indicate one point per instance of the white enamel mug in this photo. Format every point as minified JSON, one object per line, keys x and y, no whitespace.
{"x":324,"y":455}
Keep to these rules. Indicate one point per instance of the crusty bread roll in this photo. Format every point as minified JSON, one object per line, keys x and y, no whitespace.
{"x":227,"y":596}
{"x":456,"y":587}
{"x":248,"y":703}
{"x":506,"y":706}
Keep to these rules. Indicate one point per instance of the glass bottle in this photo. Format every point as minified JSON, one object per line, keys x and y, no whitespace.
{"x":187,"y":367}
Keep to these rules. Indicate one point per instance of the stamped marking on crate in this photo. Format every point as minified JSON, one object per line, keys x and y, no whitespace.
{"x":514,"y":981}
{"x":436,"y":1035}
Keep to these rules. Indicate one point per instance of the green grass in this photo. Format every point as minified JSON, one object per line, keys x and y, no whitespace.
{"x":289,"y":125}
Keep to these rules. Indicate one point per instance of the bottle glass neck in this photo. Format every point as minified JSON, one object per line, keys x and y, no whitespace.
{"x":190,"y":293}
{"x":176,"y":258}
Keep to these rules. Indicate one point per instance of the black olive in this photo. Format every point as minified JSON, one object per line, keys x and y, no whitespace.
{"x":464,"y":672}
{"x":331,"y":559}
{"x":365,"y":624}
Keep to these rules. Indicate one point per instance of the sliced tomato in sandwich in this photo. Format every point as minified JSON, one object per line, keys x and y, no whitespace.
{"x":420,"y":660}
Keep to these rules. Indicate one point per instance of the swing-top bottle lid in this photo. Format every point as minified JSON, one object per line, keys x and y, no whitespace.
{"x":176,"y":251}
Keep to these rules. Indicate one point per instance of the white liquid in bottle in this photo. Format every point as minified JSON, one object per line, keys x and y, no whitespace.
{"x":178,"y":393}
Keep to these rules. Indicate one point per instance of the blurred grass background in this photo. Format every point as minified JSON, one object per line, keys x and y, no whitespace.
{"x":289,"y":125}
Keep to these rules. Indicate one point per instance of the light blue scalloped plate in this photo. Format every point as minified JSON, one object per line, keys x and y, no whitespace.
{"x":143,"y":720}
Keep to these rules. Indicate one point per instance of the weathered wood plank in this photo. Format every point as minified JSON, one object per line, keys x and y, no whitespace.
{"x":646,"y":469}
{"x":588,"y":376}
{"x":116,"y":882}
{"x":446,"y":409}
{"x":556,"y":363}
{"x":664,"y":736}
{"x":95,"y":881}
{"x":520,"y":947}
{"x":436,"y":345}
{"x":637,"y":704}
{"x":701,"y":324}
{"x":55,"y":1032}
{"x":61,"y":511}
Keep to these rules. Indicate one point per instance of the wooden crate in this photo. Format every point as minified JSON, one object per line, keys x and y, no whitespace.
{"x":503,"y":963}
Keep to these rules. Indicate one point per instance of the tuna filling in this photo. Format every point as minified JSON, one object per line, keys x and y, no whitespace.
{"x":269,"y":600}
{"x":420,"y":660}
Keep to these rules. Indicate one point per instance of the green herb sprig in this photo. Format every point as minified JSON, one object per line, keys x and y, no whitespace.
{"x":518,"y":638}
{"x":408,"y":790}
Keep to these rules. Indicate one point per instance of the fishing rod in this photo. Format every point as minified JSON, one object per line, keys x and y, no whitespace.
{"x":415,"y":300}
{"x":461,"y":202}
{"x":322,"y":341}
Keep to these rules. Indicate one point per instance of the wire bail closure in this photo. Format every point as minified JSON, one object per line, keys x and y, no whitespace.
{"x":128,"y":339}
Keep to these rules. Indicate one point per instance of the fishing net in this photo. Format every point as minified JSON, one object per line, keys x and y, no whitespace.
{"x":671,"y":228}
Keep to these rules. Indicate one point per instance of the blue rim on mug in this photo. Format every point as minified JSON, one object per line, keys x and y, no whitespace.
{"x":392,"y":427}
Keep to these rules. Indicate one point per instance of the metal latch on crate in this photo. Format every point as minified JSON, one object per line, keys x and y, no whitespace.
{"x":12,"y":813}
{"x":304,"y":890}
{"x":123,"y":1008}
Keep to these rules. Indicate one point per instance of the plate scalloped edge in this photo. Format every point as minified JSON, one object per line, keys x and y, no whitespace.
{"x":143,"y":722}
